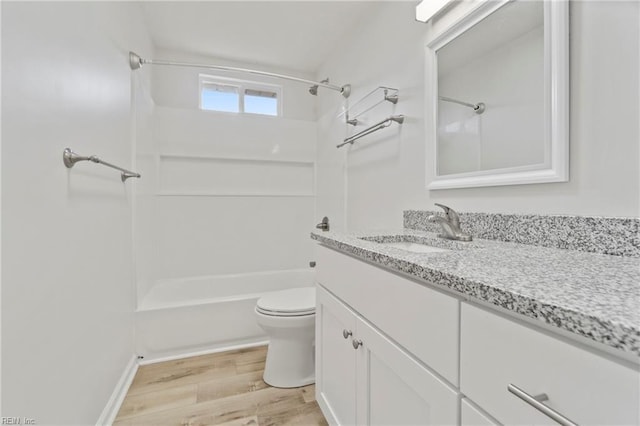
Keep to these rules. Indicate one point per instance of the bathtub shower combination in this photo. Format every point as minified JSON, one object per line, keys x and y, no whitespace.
{"x":204,"y":262}
{"x":206,"y":313}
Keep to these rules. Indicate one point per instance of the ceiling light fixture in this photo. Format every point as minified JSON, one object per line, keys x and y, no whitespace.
{"x":427,"y":9}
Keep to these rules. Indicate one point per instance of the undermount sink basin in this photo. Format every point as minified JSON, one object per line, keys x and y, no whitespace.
{"x":418,"y":243}
{"x":415,"y":247}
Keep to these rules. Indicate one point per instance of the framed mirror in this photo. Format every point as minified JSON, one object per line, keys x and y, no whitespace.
{"x":498,"y":96}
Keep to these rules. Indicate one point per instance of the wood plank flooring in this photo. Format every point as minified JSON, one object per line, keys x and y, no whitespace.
{"x":225,"y":388}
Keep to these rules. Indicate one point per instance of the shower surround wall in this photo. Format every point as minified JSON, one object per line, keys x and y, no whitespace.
{"x":227,"y":215}
{"x":385,"y":173}
{"x":67,"y":274}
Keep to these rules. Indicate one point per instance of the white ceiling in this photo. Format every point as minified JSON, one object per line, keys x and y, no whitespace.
{"x":296,"y":35}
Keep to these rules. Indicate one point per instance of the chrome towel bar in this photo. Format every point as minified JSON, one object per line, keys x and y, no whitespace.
{"x":70,"y":158}
{"x":380,"y":125}
{"x":354,"y":111}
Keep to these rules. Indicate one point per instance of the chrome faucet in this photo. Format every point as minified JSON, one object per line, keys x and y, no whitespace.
{"x":450,"y":224}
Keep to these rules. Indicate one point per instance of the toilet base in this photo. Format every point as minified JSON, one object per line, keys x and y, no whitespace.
{"x":291,"y":353}
{"x":285,"y":371}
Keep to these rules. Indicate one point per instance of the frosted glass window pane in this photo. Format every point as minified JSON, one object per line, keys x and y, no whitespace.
{"x":220,"y":98}
{"x":261,"y":102}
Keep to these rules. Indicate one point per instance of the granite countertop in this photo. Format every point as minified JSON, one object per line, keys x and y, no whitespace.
{"x":593,"y":295}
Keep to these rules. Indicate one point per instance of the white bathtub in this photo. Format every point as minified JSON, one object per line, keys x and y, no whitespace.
{"x":199,"y":314}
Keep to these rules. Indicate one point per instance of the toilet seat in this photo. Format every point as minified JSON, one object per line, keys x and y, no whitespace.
{"x":294,"y":302}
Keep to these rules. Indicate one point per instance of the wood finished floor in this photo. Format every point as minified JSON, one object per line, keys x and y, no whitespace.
{"x":218,"y":389}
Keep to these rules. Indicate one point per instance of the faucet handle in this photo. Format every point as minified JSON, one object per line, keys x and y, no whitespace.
{"x":324,"y":225}
{"x":451,"y":215}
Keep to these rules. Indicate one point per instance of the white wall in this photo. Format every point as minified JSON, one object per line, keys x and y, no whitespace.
{"x":67,"y":305}
{"x":234,"y":193}
{"x":385,"y":172}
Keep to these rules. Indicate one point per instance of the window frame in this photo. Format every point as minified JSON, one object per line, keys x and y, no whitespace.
{"x":242,"y":85}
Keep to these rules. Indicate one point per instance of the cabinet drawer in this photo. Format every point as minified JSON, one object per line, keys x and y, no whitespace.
{"x":422,"y":320}
{"x":581,"y":385}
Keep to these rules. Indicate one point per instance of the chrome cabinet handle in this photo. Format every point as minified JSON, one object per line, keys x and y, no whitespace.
{"x":346,"y":333}
{"x":356,"y":343}
{"x":536,"y":402}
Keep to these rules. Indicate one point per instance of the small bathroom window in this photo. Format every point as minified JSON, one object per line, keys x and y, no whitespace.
{"x":260,"y":102}
{"x":239,"y":96}
{"x":219,"y":97}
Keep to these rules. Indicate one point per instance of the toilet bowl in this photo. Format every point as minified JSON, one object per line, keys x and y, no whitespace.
{"x":288,"y":317}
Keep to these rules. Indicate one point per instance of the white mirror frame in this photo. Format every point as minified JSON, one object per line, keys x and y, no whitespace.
{"x":556,"y":69}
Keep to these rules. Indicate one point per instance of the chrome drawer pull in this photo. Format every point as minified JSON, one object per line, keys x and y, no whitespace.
{"x":536,"y":402}
{"x":346,"y":333}
{"x":356,"y":343}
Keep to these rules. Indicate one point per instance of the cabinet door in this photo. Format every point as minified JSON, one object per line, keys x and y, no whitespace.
{"x":394,"y":389}
{"x":471,"y":416}
{"x":335,"y":360}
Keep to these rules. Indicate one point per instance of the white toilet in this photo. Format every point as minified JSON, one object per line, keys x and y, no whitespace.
{"x":289,"y":318}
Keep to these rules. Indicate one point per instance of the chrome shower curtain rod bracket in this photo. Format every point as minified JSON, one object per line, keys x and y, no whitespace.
{"x":345,"y":90}
{"x":135,"y":62}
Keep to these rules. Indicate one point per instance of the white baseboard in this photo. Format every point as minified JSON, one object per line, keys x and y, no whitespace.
{"x":203,"y":352}
{"x":326,"y":411}
{"x":117,"y":397}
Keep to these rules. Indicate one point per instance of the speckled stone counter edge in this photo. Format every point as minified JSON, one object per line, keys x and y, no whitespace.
{"x":615,"y":236}
{"x":613,"y":335}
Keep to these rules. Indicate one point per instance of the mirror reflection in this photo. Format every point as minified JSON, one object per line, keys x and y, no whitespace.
{"x":491,"y":94}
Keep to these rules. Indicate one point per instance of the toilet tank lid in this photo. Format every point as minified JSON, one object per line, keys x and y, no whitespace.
{"x":292,"y":300}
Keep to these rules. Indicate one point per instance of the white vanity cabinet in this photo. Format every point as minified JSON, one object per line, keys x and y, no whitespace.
{"x":426,"y":357}
{"x":586,"y":387}
{"x":367,"y":379}
{"x":377,"y":337}
{"x":420,"y":319}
